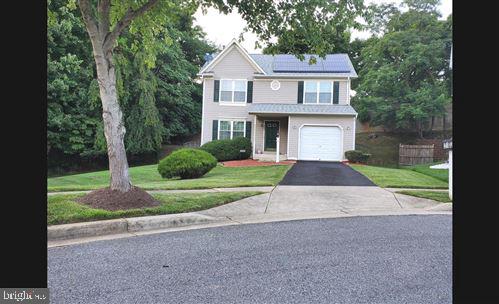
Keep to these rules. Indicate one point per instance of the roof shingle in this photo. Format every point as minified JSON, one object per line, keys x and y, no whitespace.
{"x":283,"y":108}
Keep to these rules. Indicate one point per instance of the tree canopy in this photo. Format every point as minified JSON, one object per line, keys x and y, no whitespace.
{"x":160,"y":103}
{"x":405,"y":76}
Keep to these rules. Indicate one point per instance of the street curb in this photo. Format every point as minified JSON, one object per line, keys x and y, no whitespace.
{"x":87,"y":229}
{"x":441,"y":207}
{"x":128,"y":225}
{"x":136,"y":224}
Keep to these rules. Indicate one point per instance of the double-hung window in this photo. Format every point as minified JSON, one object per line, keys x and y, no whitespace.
{"x":233,"y":90}
{"x":318,"y":92}
{"x":229,"y":129}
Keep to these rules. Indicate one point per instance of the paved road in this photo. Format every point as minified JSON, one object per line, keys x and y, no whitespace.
{"x":315,"y":173}
{"x":388,"y":259}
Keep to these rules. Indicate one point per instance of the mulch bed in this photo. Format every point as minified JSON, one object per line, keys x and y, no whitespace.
{"x":112,"y":200}
{"x":254,"y":163}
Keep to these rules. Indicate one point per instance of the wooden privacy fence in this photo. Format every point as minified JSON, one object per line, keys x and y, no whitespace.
{"x":415,"y":154}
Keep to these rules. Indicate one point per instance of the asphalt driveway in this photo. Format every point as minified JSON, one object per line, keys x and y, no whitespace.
{"x":315,"y":173}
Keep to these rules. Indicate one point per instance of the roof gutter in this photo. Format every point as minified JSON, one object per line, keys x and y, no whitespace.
{"x":302,"y":113}
{"x":256,"y":76}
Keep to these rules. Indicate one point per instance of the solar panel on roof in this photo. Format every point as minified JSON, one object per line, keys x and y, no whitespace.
{"x":336,"y":63}
{"x":331,"y":64}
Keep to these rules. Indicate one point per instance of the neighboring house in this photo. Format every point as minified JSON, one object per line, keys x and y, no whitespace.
{"x":265,"y":96}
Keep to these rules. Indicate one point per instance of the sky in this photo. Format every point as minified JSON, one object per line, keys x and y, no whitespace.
{"x":221,"y":29}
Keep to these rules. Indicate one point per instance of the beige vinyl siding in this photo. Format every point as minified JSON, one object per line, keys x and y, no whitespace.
{"x":288,"y":92}
{"x":283,"y":133}
{"x":232,"y":66}
{"x":296,"y":121}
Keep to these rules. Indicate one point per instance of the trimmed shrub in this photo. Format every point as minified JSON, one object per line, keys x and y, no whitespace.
{"x":229,"y":149}
{"x":356,"y":156}
{"x":186,"y":163}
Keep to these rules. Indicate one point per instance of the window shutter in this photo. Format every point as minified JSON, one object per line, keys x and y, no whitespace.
{"x":214,"y":136}
{"x":248,"y":129}
{"x":249,"y":93}
{"x":300,"y":91}
{"x":216,"y":91}
{"x":336,"y":92}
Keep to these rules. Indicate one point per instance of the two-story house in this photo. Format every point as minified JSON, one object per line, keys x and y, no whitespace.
{"x":265,"y":96}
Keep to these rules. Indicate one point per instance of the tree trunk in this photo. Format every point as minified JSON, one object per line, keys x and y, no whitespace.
{"x":419,"y":126}
{"x":103,"y":40}
{"x":114,"y":128}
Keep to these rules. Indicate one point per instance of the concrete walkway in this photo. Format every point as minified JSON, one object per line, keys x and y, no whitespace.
{"x":236,"y":189}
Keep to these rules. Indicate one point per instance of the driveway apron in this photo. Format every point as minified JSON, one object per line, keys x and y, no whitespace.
{"x":320,"y":187}
{"x":312,"y":186}
{"x":315,"y":173}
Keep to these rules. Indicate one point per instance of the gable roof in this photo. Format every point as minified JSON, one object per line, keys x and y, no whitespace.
{"x":218,"y":57}
{"x":286,"y":65}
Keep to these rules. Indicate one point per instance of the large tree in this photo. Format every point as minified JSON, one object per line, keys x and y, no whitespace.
{"x":105,"y":22}
{"x":160,"y":104}
{"x":404,"y":80}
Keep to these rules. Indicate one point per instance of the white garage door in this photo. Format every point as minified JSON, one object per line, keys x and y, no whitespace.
{"x":320,"y":143}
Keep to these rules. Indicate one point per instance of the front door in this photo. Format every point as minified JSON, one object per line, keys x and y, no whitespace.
{"x":271,"y":131}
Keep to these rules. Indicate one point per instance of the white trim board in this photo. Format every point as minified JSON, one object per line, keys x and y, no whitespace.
{"x":354,"y":127}
{"x":254,"y":135}
{"x":202,"y":112}
{"x":289,"y":130}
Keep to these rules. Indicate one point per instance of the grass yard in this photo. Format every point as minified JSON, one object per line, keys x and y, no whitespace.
{"x":441,"y":174}
{"x":441,"y":196}
{"x":62,"y":209}
{"x":148,"y":178}
{"x":399,"y":178}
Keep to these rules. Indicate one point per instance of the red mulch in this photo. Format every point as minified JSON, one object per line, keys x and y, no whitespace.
{"x":254,"y":163}
{"x":113,"y":200}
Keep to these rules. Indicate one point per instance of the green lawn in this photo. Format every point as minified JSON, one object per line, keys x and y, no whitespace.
{"x":62,"y":209}
{"x":400,"y":178}
{"x":441,"y":196}
{"x":147,"y":177}
{"x":441,"y":174}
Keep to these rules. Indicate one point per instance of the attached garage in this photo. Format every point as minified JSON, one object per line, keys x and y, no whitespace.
{"x":320,"y":142}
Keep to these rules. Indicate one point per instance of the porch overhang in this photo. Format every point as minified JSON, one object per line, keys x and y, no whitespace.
{"x":306,"y":109}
